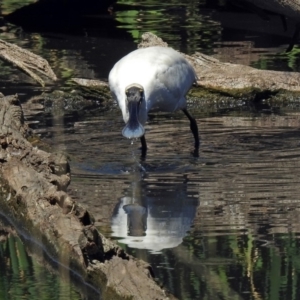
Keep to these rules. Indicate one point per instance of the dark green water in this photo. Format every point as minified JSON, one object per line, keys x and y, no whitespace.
{"x":24,"y":278}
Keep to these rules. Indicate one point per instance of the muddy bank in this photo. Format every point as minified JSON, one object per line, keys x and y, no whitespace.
{"x":33,"y":193}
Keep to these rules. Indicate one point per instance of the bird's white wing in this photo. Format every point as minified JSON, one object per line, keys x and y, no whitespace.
{"x":164,"y":73}
{"x":174,"y":77}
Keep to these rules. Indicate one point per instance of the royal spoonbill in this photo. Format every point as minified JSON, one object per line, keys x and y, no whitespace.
{"x":148,"y":80}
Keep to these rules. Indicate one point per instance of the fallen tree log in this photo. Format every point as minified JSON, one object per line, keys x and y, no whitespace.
{"x":33,"y":186}
{"x":217,"y":78}
{"x":232,"y":79}
{"x":27,"y":61}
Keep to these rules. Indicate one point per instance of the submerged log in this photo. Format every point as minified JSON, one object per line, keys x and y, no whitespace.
{"x":33,"y":188}
{"x":27,"y":61}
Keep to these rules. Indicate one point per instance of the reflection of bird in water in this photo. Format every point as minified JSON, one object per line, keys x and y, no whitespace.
{"x":151,"y":79}
{"x":156,"y":221}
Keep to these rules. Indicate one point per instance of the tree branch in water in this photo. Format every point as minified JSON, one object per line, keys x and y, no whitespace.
{"x":27,"y":61}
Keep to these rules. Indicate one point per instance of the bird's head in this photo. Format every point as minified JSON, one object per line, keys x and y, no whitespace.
{"x":134,"y":98}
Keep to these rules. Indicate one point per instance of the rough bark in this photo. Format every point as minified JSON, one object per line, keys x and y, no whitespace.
{"x":226,"y":79}
{"x":232,"y":79}
{"x":27,"y":61}
{"x":33,"y":187}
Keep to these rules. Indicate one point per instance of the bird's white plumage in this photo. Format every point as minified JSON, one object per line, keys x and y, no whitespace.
{"x":165,"y":75}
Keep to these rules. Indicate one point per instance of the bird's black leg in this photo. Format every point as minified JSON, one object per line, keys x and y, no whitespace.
{"x":144,"y":145}
{"x":194,"y":128}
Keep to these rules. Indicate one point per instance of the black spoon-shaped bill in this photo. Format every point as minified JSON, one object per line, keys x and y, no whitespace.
{"x":133,"y":128}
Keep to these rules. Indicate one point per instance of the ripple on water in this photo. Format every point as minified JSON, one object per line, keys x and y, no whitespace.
{"x":243,"y":186}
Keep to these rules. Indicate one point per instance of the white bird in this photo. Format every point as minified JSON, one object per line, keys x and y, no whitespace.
{"x":151,"y":79}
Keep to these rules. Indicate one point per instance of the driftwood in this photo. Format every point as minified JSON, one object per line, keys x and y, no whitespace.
{"x":215,"y":77}
{"x":27,"y":61}
{"x":33,"y":186}
{"x":289,"y":8}
{"x":232,"y":79}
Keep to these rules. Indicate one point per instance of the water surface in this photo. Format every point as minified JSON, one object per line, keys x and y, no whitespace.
{"x":212,"y":226}
{"x":223,"y":225}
